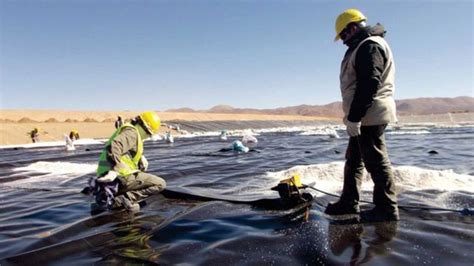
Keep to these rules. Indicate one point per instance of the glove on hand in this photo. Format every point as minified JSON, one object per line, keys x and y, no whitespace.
{"x":353,"y":128}
{"x":109,"y":177}
{"x":143,"y":164}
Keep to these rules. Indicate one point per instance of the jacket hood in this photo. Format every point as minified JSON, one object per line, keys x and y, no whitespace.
{"x":376,"y":30}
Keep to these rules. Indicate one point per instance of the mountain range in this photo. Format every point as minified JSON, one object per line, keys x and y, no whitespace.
{"x":418,"y":106}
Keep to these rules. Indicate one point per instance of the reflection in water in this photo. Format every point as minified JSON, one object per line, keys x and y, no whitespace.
{"x":133,"y":243}
{"x":342,"y":237}
{"x":384,"y":233}
{"x":301,"y":214}
{"x":349,"y":237}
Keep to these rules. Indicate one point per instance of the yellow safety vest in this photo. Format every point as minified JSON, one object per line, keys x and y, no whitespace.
{"x":129,"y":164}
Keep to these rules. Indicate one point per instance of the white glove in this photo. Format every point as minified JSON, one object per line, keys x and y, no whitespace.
{"x":143,"y":165}
{"x":109,"y":177}
{"x":353,"y":128}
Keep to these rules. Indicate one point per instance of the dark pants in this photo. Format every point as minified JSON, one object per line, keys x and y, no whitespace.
{"x":369,"y":150}
{"x":139,"y":186}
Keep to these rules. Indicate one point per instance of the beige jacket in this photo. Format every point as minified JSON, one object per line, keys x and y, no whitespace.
{"x":383,"y":108}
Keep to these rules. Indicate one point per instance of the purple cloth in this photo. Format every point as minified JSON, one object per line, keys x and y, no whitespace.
{"x":98,"y":189}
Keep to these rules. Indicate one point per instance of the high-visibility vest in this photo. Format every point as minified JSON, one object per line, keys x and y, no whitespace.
{"x":129,"y":164}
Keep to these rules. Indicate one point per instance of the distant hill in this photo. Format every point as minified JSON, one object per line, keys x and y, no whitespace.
{"x":221,"y":109}
{"x":424,"y":106}
{"x":181,"y":110}
{"x":418,"y":106}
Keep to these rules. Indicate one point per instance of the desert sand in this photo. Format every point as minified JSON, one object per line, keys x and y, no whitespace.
{"x":53,"y":124}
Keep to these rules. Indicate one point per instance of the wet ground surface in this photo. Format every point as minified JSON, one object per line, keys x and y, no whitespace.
{"x":44,"y":219}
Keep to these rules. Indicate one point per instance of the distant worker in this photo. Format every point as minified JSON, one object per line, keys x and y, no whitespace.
{"x":367,"y":87}
{"x":69,"y":143}
{"x":121,"y":179}
{"x":73,"y":135}
{"x":169,"y":138}
{"x":34,"y":135}
{"x":118,"y":122}
{"x":223,"y":135}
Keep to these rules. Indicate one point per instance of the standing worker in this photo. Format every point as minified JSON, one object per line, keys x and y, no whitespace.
{"x":34,"y":135}
{"x":367,"y":86}
{"x":118,"y":122}
{"x":121,"y":179}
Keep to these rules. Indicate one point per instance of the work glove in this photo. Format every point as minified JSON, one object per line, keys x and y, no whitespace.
{"x":109,"y":177}
{"x":353,"y":128}
{"x":143,"y":164}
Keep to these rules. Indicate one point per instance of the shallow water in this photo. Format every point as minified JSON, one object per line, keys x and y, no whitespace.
{"x":44,"y":219}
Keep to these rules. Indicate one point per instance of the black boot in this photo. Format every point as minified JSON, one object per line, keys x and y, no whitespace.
{"x":342,"y":208}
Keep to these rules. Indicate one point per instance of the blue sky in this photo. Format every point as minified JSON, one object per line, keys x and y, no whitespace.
{"x":136,"y":55}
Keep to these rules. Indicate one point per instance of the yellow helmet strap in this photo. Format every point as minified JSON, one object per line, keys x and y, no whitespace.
{"x":142,"y":124}
{"x":143,"y":131}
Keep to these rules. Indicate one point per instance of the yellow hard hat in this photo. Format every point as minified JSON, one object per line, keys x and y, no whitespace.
{"x":347,"y":17}
{"x":151,"y":120}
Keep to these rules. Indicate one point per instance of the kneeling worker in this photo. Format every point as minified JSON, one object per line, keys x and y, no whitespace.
{"x":121,"y":177}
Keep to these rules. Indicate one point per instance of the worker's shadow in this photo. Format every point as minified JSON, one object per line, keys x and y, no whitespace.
{"x":376,"y":237}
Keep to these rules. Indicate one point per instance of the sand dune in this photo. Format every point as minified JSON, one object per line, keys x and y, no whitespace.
{"x":53,"y":124}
